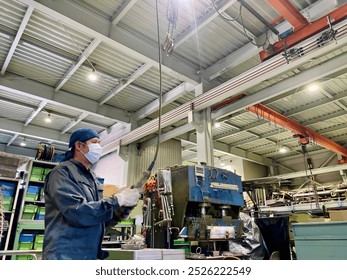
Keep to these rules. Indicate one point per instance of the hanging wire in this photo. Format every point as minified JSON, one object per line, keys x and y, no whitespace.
{"x":160,"y":89}
{"x":251,"y":39}
{"x":239,"y":16}
{"x":221,"y":15}
{"x":93,"y":66}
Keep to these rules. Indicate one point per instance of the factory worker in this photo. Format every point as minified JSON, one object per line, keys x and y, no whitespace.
{"x":76,"y":212}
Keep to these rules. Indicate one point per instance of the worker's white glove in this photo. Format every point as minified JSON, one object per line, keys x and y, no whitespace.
{"x":127,"y":197}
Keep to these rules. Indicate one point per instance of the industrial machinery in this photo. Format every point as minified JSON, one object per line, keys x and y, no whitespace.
{"x":199,"y":204}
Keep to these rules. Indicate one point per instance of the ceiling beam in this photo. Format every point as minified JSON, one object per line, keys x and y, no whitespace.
{"x":144,"y":68}
{"x":167,"y":98}
{"x":281,"y":120}
{"x":169,"y":135}
{"x":288,"y":11}
{"x":244,"y":81}
{"x":12,"y":139}
{"x":41,"y":92}
{"x":35,"y":112}
{"x":118,"y":37}
{"x":127,"y":5}
{"x":74,"y":122}
{"x":300,"y":174}
{"x":17,"y":127}
{"x":290,"y":113}
{"x":15,"y":42}
{"x":314,"y":73}
{"x":202,"y":22}
{"x":313,"y":28}
{"x":143,"y":90}
{"x":82,"y":58}
{"x":249,"y":50}
{"x":180,"y":132}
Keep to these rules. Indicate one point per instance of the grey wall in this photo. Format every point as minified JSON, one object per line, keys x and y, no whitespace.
{"x":253,"y":170}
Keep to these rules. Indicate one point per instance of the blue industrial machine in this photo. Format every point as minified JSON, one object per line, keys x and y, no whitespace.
{"x":206,"y":202}
{"x":198,"y":203}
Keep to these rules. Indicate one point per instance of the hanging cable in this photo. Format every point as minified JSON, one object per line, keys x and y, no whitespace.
{"x":239,"y":16}
{"x":223,"y":17}
{"x":146,"y":174}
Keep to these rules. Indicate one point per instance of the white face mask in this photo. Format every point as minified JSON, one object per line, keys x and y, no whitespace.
{"x":94,"y":153}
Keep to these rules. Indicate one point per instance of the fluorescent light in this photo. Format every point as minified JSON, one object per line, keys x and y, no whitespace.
{"x":283,"y":150}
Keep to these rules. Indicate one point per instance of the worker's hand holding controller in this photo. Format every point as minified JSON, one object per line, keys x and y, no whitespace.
{"x":127,"y":197}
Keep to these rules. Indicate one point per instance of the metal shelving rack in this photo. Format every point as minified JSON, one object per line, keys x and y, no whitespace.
{"x":11,"y":213}
{"x":24,"y":224}
{"x":18,"y":226}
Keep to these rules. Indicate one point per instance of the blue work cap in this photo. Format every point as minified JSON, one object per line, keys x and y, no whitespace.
{"x":82,"y":135}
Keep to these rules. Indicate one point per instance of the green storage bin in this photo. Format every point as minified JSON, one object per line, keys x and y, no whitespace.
{"x":31,"y":197}
{"x":39,"y":238}
{"x":29,"y":212}
{"x":25,"y":246}
{"x":36,"y":177}
{"x":8,"y":202}
{"x":28,"y":216}
{"x":320,"y":241}
{"x":41,"y":210}
{"x":38,"y":245}
{"x":37,"y":170}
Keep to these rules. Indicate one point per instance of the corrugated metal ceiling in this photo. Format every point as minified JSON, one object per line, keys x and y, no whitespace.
{"x":60,"y":47}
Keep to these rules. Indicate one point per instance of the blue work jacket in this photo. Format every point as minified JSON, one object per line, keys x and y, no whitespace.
{"x":75,"y":213}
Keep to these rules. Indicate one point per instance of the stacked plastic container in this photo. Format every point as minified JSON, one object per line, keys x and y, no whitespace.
{"x":33,"y":211}
{"x":29,"y":241}
{"x":8,"y":190}
{"x":26,"y":242}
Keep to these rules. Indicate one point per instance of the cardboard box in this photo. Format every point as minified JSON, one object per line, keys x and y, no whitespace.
{"x":338,"y":215}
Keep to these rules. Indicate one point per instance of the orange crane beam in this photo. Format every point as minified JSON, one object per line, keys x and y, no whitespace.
{"x":288,"y":11}
{"x":305,"y":32}
{"x":277,"y":118}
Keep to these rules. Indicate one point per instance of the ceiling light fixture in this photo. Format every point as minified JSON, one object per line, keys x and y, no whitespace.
{"x":92,"y":75}
{"x":283,"y":150}
{"x":313,"y":87}
{"x":217,"y":124}
{"x":23,"y":143}
{"x":48,"y":119}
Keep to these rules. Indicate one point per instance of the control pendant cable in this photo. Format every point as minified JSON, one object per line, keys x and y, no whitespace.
{"x":146,"y":174}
